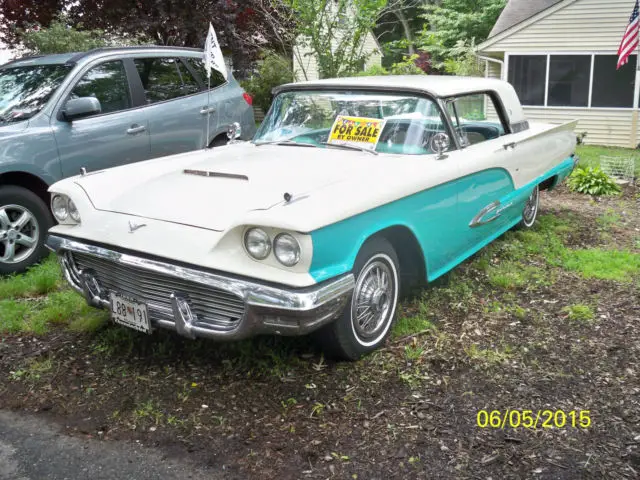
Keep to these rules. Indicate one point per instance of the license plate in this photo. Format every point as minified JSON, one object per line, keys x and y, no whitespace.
{"x":130,"y":313}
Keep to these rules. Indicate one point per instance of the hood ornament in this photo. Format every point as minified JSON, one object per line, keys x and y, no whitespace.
{"x":133,"y":226}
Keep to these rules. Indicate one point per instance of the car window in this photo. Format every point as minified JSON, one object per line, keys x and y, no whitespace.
{"x":108,"y":83}
{"x":198,"y":65}
{"x":25,"y":90}
{"x":165,"y":79}
{"x":475,"y":118}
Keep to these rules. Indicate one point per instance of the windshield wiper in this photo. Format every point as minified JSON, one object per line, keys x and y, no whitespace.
{"x":286,"y":142}
{"x":350,"y":147}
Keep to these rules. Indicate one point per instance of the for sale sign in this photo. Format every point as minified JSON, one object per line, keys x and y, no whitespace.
{"x":358,"y":131}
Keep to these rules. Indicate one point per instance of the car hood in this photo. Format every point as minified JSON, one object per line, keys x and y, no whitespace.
{"x":212,"y":189}
{"x":11,"y":129}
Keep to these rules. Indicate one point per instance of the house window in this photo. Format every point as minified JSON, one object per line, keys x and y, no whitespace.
{"x":569,"y":80}
{"x":528,"y":74}
{"x":613,"y":88}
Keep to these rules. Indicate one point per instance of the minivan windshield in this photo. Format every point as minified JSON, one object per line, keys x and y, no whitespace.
{"x":25,"y":90}
{"x":382,"y":122}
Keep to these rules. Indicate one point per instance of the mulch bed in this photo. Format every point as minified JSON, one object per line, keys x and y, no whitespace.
{"x":274,"y":408}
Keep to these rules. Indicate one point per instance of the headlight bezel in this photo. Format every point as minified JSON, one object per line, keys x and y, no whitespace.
{"x":64,"y":210}
{"x":73,"y":211}
{"x":293,"y":242}
{"x":266,"y":239}
{"x":63,"y":215}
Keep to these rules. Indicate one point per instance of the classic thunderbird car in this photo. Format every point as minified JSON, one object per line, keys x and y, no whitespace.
{"x":351,"y":190}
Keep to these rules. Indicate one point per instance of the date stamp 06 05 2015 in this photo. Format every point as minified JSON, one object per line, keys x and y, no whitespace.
{"x":533,"y":419}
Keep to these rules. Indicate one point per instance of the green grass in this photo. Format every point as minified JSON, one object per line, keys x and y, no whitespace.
{"x":513,"y":275}
{"x":65,"y":308}
{"x":590,"y":155}
{"x":580,"y":313}
{"x":409,"y":325}
{"x":621,"y":266}
{"x":39,"y":280}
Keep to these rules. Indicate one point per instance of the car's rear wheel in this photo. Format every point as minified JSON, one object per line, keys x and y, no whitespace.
{"x":367,"y":319}
{"x":24,"y":222}
{"x":530,"y":211}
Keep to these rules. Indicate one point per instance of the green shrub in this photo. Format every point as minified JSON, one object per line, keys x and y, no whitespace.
{"x":406,"y":67}
{"x":374,"y":71}
{"x":274,"y":71}
{"x":592,"y":181}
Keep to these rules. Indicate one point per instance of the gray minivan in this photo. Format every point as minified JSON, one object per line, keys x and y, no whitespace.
{"x":95,"y":110}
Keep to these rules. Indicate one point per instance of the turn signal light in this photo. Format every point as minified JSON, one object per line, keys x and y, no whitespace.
{"x":247,"y":98}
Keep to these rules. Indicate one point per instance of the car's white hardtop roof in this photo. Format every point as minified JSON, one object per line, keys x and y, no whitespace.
{"x":438,"y":85}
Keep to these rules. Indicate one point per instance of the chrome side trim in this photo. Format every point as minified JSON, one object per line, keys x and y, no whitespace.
{"x":293,"y":301}
{"x":478,"y":219}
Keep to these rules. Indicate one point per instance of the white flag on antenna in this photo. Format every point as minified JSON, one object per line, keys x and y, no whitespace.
{"x":213,"y":55}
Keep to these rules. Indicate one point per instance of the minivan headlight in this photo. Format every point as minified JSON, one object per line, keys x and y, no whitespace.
{"x":257,"y":243}
{"x":286,"y":249}
{"x":60,"y":207}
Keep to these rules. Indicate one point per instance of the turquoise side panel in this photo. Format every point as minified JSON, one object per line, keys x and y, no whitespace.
{"x":439,"y":219}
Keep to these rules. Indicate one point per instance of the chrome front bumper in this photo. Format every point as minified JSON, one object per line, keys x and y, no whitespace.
{"x":198,"y":303}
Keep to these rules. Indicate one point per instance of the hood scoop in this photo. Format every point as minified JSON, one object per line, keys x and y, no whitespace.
{"x":205,"y":173}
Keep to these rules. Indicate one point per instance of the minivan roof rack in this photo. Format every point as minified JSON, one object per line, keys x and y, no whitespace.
{"x":79,"y":56}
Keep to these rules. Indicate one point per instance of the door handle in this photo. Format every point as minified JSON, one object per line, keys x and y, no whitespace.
{"x":135,"y":129}
{"x":207,"y":110}
{"x":510,"y":146}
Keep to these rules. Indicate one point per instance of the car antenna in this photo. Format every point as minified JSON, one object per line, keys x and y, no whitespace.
{"x":287,"y":197}
{"x":83,"y":171}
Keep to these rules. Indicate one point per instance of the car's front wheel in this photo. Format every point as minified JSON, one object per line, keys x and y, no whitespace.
{"x":24,"y":222}
{"x":367,"y":319}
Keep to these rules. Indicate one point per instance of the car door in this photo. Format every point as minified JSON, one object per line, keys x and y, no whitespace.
{"x":116,"y":136}
{"x":176,"y":105}
{"x":485,"y":164}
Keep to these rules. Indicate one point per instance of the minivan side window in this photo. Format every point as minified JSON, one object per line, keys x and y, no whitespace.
{"x":198,"y":65}
{"x":108,"y":83}
{"x":165,"y":79}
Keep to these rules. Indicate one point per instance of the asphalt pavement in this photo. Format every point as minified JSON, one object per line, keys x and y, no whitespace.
{"x":33,"y":449}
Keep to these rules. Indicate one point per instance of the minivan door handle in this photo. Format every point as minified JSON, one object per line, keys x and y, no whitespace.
{"x":207,"y":110}
{"x":136,"y":129}
{"x":509,"y":146}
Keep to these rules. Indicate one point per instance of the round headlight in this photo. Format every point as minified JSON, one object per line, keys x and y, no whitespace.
{"x":257,"y":243}
{"x":60,"y":207}
{"x":73,"y":211}
{"x":286,"y":249}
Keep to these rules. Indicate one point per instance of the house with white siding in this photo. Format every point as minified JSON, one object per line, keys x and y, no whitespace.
{"x":561,"y":57}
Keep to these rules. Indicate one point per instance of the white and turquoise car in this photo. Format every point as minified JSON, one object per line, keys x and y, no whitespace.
{"x":351,"y":190}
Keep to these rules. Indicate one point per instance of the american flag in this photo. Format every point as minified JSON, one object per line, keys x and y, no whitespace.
{"x":630,"y":38}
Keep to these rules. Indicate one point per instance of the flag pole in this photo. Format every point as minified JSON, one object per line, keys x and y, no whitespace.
{"x":206,"y":137}
{"x":636,"y":102}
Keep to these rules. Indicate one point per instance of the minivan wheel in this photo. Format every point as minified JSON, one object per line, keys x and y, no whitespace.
{"x":24,"y":222}
{"x":368,"y":317}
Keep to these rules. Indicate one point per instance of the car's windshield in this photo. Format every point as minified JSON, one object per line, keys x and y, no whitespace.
{"x":381,"y":122}
{"x":24,"y":91}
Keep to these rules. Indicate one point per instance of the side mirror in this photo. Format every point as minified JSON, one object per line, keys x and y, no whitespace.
{"x":234,"y":131}
{"x":440,"y":143}
{"x":81,"y":107}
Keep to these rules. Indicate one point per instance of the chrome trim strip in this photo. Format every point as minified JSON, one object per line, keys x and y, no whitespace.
{"x":478,"y":219}
{"x":254,"y":294}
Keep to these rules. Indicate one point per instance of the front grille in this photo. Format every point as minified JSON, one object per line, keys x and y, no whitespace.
{"x":213,"y":308}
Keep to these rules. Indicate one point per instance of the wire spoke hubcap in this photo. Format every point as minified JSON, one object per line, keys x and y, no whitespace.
{"x":19,"y":232}
{"x":531,"y":207}
{"x":373,"y":299}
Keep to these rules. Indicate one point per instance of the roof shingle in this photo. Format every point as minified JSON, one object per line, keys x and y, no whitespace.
{"x":518,"y":11}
